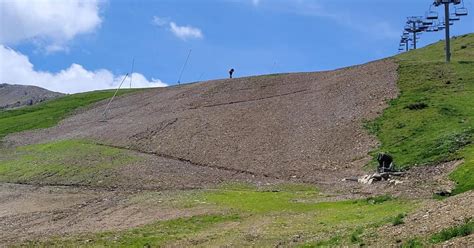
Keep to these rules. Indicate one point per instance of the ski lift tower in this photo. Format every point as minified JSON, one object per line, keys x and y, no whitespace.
{"x":447,"y":22}
{"x":415,"y":25}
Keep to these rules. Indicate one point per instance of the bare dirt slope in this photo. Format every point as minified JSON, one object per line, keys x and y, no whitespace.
{"x":30,"y":212}
{"x":14,"y":96}
{"x":304,"y":126}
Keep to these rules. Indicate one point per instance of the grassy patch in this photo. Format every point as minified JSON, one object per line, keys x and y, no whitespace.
{"x":49,"y":113}
{"x":335,"y":241}
{"x":152,"y":235}
{"x":301,"y":211}
{"x":379,"y":199}
{"x":453,"y":232}
{"x":62,"y":162}
{"x":355,"y":236}
{"x":412,"y":243}
{"x":431,"y":121}
{"x":464,"y":174}
{"x":398,"y":220}
{"x":263,"y":199}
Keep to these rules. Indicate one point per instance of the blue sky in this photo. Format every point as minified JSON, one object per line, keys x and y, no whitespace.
{"x":254,"y":37}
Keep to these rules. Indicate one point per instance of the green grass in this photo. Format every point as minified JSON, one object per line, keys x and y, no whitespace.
{"x":63,"y":162}
{"x":152,"y":235}
{"x":412,"y":243}
{"x":464,"y":174}
{"x":398,"y":220}
{"x":453,"y":232}
{"x":303,"y":211}
{"x":442,"y":129}
{"x":263,"y":200}
{"x":49,"y":113}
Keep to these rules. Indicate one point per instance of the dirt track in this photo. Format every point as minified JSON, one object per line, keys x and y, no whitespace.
{"x":304,"y":126}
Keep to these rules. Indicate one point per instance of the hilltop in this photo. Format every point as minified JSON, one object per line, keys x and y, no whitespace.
{"x":14,"y":96}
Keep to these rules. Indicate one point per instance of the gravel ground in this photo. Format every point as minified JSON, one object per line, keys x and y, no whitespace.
{"x":431,"y":218}
{"x":304,"y":127}
{"x":29,"y":212}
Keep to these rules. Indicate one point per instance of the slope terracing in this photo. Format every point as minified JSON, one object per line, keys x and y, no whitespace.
{"x":304,"y":126}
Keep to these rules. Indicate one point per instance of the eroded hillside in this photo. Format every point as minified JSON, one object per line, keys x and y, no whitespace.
{"x":306,"y":126}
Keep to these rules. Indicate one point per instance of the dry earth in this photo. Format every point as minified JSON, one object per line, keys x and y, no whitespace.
{"x":30,"y":212}
{"x":304,"y":126}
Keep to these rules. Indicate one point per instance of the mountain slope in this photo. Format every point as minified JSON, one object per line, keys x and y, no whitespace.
{"x":431,"y":121}
{"x":48,"y":114}
{"x":306,"y":126}
{"x":14,"y":96}
{"x":267,"y":133}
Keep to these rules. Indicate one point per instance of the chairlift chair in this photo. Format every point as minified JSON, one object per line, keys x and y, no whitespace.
{"x":442,"y":25}
{"x":461,"y":11}
{"x":427,"y":22}
{"x":454,"y":17}
{"x":431,"y":14}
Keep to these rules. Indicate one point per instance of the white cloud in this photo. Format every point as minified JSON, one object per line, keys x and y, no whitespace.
{"x":182,"y":32}
{"x":185,"y":32}
{"x":15,"y":68}
{"x":160,"y":21}
{"x":49,"y":23}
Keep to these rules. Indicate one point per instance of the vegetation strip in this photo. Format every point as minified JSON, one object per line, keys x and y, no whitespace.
{"x":452,"y":232}
{"x":431,"y":121}
{"x":49,"y":113}
{"x":68,"y":162}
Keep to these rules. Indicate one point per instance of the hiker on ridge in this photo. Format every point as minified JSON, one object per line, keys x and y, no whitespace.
{"x":231,"y":72}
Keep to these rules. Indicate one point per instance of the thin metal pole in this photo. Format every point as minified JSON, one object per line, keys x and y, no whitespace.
{"x":414,"y":35}
{"x":448,"y":45}
{"x":111,"y":99}
{"x":131,"y":73}
{"x":184,"y":66}
{"x":406,"y":46}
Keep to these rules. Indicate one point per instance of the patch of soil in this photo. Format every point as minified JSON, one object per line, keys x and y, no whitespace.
{"x":156,"y":172}
{"x":30,"y":213}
